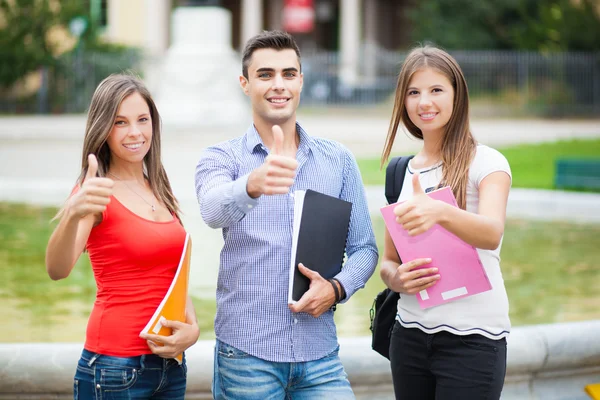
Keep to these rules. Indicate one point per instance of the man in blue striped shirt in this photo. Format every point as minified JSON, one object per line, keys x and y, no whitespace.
{"x":266,"y":349}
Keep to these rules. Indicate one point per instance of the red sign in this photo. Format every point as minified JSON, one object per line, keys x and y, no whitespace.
{"x":298,"y":16}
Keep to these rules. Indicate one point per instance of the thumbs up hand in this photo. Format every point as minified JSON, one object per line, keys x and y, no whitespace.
{"x":276,"y":174}
{"x":94,"y":194}
{"x":419,"y":213}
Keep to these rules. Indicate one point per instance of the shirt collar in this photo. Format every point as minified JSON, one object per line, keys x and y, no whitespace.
{"x":254,"y":141}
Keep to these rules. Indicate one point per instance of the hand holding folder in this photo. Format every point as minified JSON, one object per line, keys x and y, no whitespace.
{"x":461,"y":272}
{"x":320,"y":231}
{"x":173,"y":305}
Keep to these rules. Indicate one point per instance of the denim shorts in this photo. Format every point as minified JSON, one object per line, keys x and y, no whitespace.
{"x":100,"y":377}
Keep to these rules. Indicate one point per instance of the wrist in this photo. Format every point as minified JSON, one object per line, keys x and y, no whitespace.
{"x":442,"y":213}
{"x":253,"y":189}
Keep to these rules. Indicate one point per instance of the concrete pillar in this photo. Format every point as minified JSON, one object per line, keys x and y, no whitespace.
{"x":349,"y":40}
{"x":252,"y":19}
{"x":158,"y":14}
{"x":371,"y":44}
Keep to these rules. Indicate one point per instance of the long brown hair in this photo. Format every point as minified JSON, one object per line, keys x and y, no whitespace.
{"x":104,"y":106}
{"x":458,"y":145}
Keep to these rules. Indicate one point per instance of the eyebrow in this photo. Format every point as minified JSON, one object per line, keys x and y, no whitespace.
{"x":122,"y":116}
{"x":430,"y":87}
{"x":266,"y":69}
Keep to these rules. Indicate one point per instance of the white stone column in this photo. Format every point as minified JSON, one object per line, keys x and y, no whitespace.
{"x":158,"y":14}
{"x":156,"y":39}
{"x":252,"y":20}
{"x":349,"y":40}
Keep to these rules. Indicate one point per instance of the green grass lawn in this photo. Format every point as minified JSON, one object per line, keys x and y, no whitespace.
{"x":532,"y":165}
{"x":550,"y":269}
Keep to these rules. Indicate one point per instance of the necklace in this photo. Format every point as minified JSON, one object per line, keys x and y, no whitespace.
{"x":136,"y":193}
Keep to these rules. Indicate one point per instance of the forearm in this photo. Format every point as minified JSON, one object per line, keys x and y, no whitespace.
{"x":190,"y":312}
{"x":226,"y":204}
{"x":62,"y":251}
{"x":477,"y":230}
{"x":387,"y":270}
{"x":359,"y":267}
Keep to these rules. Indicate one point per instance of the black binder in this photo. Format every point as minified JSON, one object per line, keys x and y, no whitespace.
{"x":319,"y":238}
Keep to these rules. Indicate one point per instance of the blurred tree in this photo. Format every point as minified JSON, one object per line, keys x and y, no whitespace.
{"x":508,"y":24}
{"x":25,"y":43}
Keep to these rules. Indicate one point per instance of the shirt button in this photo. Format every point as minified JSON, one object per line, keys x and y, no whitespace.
{"x":98,"y":386}
{"x":291,"y":194}
{"x":295,"y":320}
{"x":249,"y":205}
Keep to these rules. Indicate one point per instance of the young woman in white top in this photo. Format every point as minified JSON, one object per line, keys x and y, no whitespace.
{"x":456,"y":350}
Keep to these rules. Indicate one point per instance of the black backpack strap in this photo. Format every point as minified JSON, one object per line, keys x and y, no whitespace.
{"x":394,"y":177}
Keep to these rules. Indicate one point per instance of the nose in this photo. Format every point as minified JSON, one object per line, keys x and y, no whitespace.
{"x":278,"y":83}
{"x":424,"y":101}
{"x":134,"y":130}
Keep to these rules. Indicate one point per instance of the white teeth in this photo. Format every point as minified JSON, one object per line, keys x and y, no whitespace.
{"x":430,"y":115}
{"x":133,"y":146}
{"x":278,"y":100}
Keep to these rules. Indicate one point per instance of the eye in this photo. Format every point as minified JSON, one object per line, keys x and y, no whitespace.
{"x":120,"y":122}
{"x":437,"y":90}
{"x":289,"y":74}
{"x":144,"y":119}
{"x":413,"y":92}
{"x":264,"y":75}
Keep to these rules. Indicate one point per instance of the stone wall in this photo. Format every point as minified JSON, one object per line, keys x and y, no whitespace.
{"x":549,"y":362}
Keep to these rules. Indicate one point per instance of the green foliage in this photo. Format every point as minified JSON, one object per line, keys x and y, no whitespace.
{"x":26,"y":47}
{"x":545,"y":25}
{"x":24,"y":38}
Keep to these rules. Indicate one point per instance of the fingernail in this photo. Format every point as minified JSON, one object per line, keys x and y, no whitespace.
{"x":435,"y":270}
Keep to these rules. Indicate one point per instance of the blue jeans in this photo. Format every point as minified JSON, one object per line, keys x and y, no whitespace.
{"x":100,"y":377}
{"x":240,"y":376}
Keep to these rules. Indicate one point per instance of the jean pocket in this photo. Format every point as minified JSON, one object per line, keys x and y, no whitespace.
{"x":231,"y":352}
{"x":113,"y":378}
{"x":479,"y":342}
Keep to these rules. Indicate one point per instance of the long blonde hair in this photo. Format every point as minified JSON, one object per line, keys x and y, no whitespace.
{"x":458,"y":146}
{"x":104,"y":106}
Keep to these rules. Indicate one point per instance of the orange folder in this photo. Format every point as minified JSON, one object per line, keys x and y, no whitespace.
{"x":172,"y":307}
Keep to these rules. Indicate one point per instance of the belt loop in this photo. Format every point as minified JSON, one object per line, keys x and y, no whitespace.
{"x":94,"y":358}
{"x":142,"y":360}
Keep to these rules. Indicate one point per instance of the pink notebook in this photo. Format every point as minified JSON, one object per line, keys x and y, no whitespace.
{"x":460,"y":268}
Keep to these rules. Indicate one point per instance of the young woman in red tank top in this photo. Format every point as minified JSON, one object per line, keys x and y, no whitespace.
{"x":123,"y":212}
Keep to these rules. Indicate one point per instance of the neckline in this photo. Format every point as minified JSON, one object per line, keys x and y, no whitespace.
{"x":412,"y":170}
{"x":173,"y":219}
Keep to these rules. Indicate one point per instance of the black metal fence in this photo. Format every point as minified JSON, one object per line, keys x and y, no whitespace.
{"x":551,"y":85}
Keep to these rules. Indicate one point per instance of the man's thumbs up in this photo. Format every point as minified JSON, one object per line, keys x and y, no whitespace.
{"x":277,"y":146}
{"x":92,"y":167}
{"x":417,"y":189}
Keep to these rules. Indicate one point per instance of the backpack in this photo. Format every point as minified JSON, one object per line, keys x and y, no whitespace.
{"x":384,"y":308}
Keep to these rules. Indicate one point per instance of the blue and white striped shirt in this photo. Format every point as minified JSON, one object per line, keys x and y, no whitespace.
{"x":252,"y":287}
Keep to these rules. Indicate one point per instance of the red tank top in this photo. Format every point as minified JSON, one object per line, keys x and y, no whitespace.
{"x":134,"y":261}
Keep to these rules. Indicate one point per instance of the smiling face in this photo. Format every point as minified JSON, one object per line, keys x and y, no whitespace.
{"x":273,"y":85}
{"x":131,"y":134}
{"x":429,"y":101}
